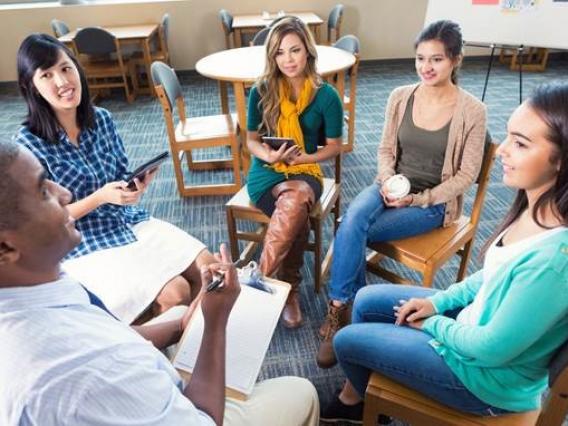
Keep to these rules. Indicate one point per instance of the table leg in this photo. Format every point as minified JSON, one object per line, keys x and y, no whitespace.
{"x":316,"y":32}
{"x":340,"y":84}
{"x":239,"y":89}
{"x":224,"y":97}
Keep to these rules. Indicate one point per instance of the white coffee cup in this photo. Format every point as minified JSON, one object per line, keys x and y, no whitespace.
{"x":397,"y":186}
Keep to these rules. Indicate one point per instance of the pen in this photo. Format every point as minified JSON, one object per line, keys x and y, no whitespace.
{"x":216,"y":283}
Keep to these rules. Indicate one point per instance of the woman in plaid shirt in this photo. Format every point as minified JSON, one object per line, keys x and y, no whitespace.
{"x":127,"y":258}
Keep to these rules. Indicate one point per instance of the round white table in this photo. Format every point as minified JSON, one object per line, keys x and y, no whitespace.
{"x":244,"y":65}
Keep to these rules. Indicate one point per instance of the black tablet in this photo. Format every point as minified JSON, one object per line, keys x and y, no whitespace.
{"x":276,"y":143}
{"x":148,"y":166}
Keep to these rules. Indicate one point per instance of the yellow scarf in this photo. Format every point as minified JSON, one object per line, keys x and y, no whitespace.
{"x":289,"y":127}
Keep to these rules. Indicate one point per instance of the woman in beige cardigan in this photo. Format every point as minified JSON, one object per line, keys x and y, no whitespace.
{"x":433,"y":134}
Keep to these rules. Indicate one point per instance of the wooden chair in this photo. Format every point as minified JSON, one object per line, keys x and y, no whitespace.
{"x":426,"y":253}
{"x":240,"y":207}
{"x":195,"y":133}
{"x":159,"y":51}
{"x":351,"y":44}
{"x":227,"y":26}
{"x":100,"y":55}
{"x":387,"y":397}
{"x":334,"y":23}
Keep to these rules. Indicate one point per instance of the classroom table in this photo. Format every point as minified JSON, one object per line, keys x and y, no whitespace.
{"x":253,"y":23}
{"x":244,"y":65}
{"x":128,"y":34}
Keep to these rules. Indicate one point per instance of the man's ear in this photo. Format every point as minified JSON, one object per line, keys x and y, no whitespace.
{"x":8,"y":252}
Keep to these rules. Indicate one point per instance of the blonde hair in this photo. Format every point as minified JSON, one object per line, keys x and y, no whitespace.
{"x":268,"y":83}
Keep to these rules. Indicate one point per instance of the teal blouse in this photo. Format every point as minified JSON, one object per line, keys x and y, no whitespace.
{"x":323,"y":118}
{"x":504,"y":359}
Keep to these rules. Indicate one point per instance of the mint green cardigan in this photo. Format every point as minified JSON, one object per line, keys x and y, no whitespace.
{"x":503,"y":360}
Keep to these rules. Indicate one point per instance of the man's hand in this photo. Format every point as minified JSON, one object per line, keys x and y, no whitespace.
{"x":216,"y":305}
{"x":413,"y":312}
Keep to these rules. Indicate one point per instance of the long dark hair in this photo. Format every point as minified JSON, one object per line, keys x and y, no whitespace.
{"x":41,"y":51}
{"x":449,"y":34}
{"x":550,"y":102}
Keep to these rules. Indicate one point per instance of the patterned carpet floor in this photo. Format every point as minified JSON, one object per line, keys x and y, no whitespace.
{"x":141,"y":125}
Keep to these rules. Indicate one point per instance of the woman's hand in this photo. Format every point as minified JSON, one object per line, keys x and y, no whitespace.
{"x":142,"y":185}
{"x":413,"y":312}
{"x":281,"y":154}
{"x":396,"y":202}
{"x":301,"y":158}
{"x":118,"y":193}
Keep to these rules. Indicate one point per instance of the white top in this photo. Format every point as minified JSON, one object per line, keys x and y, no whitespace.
{"x":495,"y":258}
{"x":66,"y":362}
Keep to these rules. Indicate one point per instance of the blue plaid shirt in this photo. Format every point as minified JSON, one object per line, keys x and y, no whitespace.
{"x":99,"y":159}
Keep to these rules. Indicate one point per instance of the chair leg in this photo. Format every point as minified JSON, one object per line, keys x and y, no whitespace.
{"x":178,"y":172}
{"x":232,"y":228}
{"x":351,"y":128}
{"x":235,"y":154}
{"x":189,"y":159}
{"x":428,"y":276}
{"x":370,"y":411}
{"x":317,"y":254}
{"x":465,"y":255}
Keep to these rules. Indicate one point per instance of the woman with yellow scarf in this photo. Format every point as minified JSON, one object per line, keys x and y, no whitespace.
{"x":290,"y":100}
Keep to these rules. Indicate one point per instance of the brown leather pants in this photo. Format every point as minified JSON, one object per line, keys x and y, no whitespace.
{"x":285,"y":241}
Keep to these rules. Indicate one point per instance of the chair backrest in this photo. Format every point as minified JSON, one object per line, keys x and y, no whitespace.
{"x":227,"y":25}
{"x":95,"y":41}
{"x":349,"y":43}
{"x":555,"y":407}
{"x":483,"y":178}
{"x":166,"y":26}
{"x":59,"y":28}
{"x":226,"y":21}
{"x":334,"y":21}
{"x":260,"y":37}
{"x":166,"y":82}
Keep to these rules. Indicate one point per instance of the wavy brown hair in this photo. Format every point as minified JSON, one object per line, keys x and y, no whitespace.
{"x":268,"y":83}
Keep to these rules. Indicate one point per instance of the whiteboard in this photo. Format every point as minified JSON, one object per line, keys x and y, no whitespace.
{"x":537,"y":23}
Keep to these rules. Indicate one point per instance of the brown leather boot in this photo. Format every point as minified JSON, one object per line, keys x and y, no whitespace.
{"x":324,"y":327}
{"x":285,"y":241}
{"x":294,"y":200}
{"x":337,"y":318}
{"x":290,"y":273}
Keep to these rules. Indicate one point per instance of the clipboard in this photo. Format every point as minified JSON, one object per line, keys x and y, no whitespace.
{"x":250,"y":328}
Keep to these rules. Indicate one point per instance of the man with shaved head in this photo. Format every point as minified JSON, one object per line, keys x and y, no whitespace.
{"x":65,"y":360}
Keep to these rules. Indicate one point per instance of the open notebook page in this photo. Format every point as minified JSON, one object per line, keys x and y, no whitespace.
{"x":249,"y":331}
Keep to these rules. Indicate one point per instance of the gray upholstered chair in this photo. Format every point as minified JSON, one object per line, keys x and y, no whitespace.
{"x":351,"y":44}
{"x":260,"y":37}
{"x":100,"y":55}
{"x":59,"y":28}
{"x":195,"y":133}
{"x":227,"y":25}
{"x":334,"y":22}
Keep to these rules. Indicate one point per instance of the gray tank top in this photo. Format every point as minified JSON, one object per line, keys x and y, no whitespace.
{"x":421,"y":152}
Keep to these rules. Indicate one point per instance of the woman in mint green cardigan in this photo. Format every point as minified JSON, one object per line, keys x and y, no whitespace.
{"x":483,"y":345}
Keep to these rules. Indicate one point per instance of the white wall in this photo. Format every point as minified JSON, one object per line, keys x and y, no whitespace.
{"x":386,"y":28}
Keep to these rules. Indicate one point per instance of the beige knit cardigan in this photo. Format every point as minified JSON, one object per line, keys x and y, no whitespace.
{"x":464,"y":151}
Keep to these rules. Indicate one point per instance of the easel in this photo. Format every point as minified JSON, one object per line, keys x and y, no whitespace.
{"x":519,"y":55}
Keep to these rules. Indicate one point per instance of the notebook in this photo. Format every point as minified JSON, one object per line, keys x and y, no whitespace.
{"x":249,"y":331}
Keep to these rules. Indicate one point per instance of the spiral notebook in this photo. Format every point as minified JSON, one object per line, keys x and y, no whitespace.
{"x":249,"y":331}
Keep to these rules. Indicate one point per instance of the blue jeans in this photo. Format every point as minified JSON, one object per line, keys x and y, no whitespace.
{"x":373,"y":343}
{"x":368,"y":219}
